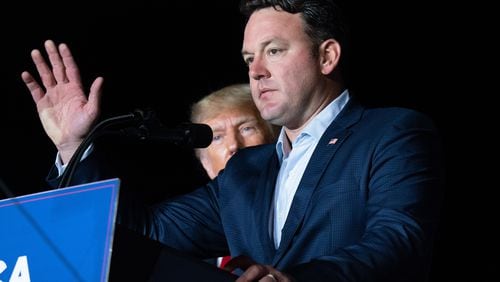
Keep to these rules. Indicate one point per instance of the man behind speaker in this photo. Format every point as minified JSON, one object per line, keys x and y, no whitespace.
{"x":236,"y":123}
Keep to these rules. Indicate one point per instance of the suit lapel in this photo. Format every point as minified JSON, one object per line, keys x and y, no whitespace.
{"x":328,"y":145}
{"x":263,"y":199}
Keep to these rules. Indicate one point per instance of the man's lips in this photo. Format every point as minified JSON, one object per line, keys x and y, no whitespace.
{"x":263,"y":91}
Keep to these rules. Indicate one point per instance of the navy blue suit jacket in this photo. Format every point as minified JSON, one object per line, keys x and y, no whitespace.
{"x":366,"y":208}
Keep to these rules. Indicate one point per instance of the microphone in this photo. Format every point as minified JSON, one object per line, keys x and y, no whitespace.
{"x":195,"y":135}
{"x":145,"y":125}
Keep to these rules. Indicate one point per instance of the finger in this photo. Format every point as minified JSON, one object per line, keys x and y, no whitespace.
{"x":252,"y":273}
{"x":72,"y":71}
{"x":94,"y":99}
{"x":43,"y":69}
{"x":36,"y":91}
{"x":269,"y":278}
{"x":58,"y":67}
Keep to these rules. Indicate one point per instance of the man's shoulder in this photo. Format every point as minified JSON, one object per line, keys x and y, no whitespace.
{"x":392,"y":111}
{"x":251,"y":161}
{"x":254,"y":155}
{"x":397,"y":115}
{"x":258,"y":151}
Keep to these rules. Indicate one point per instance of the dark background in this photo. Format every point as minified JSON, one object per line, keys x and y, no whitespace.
{"x":166,"y":56}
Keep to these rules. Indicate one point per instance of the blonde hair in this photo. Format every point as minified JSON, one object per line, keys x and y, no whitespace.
{"x":236,"y":96}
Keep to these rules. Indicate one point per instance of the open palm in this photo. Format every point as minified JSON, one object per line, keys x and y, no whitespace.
{"x":66,"y":112}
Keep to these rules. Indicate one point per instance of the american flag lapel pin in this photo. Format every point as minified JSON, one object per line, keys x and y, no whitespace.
{"x":333,"y":141}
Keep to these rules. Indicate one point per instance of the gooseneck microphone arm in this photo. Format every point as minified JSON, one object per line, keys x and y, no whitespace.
{"x":143,"y":125}
{"x":95,"y":132}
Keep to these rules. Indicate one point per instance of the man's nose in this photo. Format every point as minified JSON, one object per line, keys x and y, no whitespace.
{"x":258,"y":70}
{"x":233,"y":143}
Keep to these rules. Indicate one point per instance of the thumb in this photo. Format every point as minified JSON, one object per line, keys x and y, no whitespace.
{"x":94,"y":99}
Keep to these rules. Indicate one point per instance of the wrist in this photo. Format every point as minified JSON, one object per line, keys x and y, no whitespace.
{"x":67,"y":150}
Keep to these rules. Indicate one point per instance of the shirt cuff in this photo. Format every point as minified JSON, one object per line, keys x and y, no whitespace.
{"x":59,"y":163}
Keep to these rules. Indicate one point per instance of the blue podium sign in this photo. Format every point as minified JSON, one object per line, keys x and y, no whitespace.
{"x":59,"y":235}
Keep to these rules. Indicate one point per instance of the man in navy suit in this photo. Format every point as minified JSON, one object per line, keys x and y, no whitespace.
{"x":347,"y":193}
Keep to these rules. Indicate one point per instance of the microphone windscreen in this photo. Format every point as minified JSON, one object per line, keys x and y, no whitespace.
{"x":199,"y":135}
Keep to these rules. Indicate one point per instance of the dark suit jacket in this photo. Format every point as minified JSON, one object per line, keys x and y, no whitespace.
{"x":366,"y":208}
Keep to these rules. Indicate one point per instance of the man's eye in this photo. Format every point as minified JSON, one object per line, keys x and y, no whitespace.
{"x":273,"y":51}
{"x":247,"y":128}
{"x":248,"y":60}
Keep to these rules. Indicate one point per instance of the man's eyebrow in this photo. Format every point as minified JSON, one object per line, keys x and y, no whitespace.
{"x":245,"y":119}
{"x":218,"y":126}
{"x":261,"y":46}
{"x":243,"y":53}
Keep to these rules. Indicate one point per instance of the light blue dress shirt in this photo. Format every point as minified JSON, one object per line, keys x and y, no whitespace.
{"x":294,"y":159}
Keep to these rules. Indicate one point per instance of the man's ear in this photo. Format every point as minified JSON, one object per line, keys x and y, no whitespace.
{"x":329,"y":55}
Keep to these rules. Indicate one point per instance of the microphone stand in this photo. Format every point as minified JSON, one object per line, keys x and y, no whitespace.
{"x":145,"y":126}
{"x":95,"y":132}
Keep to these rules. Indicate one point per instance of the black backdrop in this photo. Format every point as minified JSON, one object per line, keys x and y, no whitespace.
{"x":166,"y":56}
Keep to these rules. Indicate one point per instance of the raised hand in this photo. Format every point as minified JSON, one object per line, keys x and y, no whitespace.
{"x":67,"y":113}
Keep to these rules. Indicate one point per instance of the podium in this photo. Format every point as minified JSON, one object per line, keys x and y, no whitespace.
{"x":59,"y":235}
{"x":137,"y":258}
{"x":69,"y":234}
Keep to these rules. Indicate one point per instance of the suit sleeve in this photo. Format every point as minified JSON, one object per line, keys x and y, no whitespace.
{"x":93,"y":167}
{"x":189,"y":222}
{"x":401,"y":213}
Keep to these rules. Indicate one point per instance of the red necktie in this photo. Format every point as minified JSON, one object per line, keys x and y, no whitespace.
{"x":224,"y":261}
